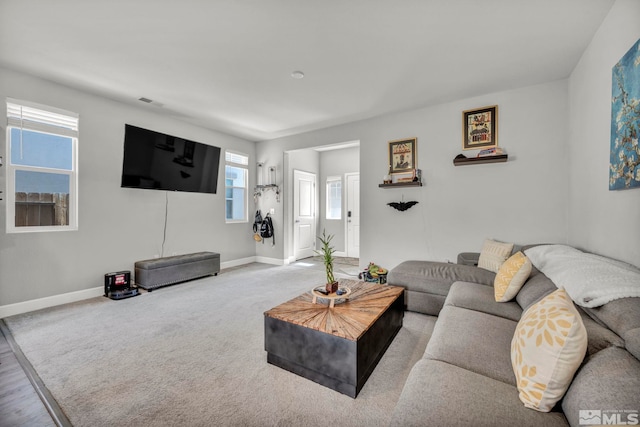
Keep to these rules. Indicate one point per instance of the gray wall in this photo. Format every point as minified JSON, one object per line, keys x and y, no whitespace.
{"x":336,"y":163}
{"x":116,"y":226}
{"x":600,"y":220}
{"x":523,"y":200}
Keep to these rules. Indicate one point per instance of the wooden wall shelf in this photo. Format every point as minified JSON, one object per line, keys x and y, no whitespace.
{"x":501,"y":158}
{"x":401,"y":184}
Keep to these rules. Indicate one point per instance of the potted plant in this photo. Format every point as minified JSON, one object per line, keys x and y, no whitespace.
{"x":327,"y":255}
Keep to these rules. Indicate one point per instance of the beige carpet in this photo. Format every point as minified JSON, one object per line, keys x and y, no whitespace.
{"x":193,"y":354}
{"x":344,"y":265}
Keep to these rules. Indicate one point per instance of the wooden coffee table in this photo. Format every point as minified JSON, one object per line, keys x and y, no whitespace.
{"x":338,"y":346}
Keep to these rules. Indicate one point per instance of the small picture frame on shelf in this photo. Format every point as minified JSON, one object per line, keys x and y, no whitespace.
{"x":480,"y":128}
{"x":403,"y":155}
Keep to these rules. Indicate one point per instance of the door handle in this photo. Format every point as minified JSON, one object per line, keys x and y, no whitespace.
{"x":297,"y":220}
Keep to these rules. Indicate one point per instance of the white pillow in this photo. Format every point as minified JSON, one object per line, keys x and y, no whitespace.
{"x":590,"y":280}
{"x":493,"y":254}
{"x":547,"y":349}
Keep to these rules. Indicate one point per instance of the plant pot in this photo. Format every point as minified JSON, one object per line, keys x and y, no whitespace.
{"x":331,"y":287}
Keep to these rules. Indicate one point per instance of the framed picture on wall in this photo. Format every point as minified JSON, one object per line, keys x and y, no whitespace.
{"x":403,"y":155}
{"x":480,"y":128}
{"x":624,"y":168}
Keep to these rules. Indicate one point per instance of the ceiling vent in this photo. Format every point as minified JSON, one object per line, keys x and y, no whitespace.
{"x":150,"y":101}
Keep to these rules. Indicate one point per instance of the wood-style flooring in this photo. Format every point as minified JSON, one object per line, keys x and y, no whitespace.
{"x":20,"y":405}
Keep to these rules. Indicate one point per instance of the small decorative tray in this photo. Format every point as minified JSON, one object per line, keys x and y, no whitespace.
{"x":332,"y":297}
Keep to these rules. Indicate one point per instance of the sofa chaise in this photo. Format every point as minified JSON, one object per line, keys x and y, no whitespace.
{"x":466,"y":376}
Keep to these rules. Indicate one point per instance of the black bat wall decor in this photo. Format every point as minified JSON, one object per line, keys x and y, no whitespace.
{"x":402,"y":206}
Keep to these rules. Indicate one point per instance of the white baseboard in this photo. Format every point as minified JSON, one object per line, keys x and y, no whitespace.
{"x":339,"y":253}
{"x":274,"y":261}
{"x":237,"y":262}
{"x":40,"y":303}
{"x":37,"y":304}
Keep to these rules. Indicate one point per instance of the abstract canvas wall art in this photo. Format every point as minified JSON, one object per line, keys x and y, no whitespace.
{"x":624,"y":161}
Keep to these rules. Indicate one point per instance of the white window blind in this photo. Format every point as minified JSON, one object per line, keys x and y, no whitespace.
{"x":41,"y":118}
{"x":237,"y":158}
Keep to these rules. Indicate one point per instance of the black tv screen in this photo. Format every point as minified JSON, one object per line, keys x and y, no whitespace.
{"x":153,"y":160}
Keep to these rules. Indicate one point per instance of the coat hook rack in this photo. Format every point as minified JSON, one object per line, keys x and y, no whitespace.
{"x":270,"y":186}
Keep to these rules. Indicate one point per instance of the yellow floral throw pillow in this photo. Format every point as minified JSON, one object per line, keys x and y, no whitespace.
{"x":547,"y":348}
{"x":511,"y":276}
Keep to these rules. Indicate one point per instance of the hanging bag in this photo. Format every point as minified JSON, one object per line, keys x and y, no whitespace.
{"x":266,"y":229}
{"x":257,"y":224}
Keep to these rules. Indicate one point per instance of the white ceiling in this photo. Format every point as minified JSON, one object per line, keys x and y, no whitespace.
{"x":226,"y":65}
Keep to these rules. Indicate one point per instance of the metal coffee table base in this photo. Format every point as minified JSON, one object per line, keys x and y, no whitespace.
{"x":338,"y":363}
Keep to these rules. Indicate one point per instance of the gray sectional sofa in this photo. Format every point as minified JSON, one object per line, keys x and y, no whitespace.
{"x":466,"y":377}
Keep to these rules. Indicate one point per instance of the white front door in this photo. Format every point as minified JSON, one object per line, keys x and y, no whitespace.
{"x":353,"y":215}
{"x":304,"y":214}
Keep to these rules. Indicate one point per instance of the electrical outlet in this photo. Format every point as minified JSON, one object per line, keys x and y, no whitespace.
{"x":272,"y":211}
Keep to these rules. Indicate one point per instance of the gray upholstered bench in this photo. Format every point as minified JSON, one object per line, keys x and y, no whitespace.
{"x":153,"y":273}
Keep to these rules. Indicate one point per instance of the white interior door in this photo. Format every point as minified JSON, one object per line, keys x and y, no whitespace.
{"x":304,"y":214}
{"x":353,"y":215}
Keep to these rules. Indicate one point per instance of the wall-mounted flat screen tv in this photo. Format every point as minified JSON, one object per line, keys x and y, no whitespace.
{"x":153,"y":160}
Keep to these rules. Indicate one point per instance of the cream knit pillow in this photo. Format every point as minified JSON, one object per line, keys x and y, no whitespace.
{"x":493,"y":254}
{"x":511,"y":276}
{"x":547,"y":349}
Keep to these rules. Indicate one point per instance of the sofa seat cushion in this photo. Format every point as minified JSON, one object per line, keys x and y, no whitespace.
{"x":460,"y":338}
{"x":423,"y":302}
{"x":439,"y":394}
{"x":609,"y":380}
{"x":481,"y":298}
{"x":436,"y":277}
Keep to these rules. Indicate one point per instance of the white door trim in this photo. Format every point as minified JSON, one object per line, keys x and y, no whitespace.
{"x":346,"y":218}
{"x":297,"y":174}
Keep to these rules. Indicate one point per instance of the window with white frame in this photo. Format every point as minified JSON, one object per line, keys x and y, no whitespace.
{"x":42,"y":168}
{"x":334,"y":197}
{"x":236,"y":180}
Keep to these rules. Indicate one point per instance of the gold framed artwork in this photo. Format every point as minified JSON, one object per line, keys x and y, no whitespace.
{"x":403,"y":155}
{"x":480,"y":128}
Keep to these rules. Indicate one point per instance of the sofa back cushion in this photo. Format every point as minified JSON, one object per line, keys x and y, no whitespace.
{"x":632,"y":342}
{"x":622,"y":316}
{"x":535,"y":288}
{"x":598,"y":337}
{"x":609,"y":382}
